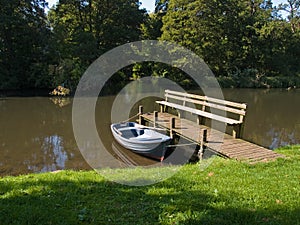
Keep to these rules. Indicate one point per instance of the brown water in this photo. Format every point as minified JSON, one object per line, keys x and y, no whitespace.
{"x":36,"y":133}
{"x":272,"y":117}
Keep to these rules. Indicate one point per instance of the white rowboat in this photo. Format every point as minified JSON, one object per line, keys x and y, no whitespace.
{"x":140,"y":139}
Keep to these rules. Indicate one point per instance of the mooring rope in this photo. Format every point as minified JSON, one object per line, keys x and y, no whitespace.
{"x":152,"y":128}
{"x":142,"y":126}
{"x":129,"y":118}
{"x":181,"y":145}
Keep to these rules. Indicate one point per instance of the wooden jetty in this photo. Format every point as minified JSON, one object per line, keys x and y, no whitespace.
{"x":226,"y":145}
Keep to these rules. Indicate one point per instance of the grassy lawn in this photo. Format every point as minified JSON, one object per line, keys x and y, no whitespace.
{"x":226,"y":193}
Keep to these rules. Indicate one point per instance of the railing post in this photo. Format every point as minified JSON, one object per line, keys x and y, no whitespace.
{"x":241,"y":130}
{"x":155,"y":116}
{"x":202,"y":141}
{"x":203,"y":106}
{"x":236,"y":131}
{"x":240,"y":127}
{"x":161,"y":108}
{"x":200,"y":120}
{"x":141,"y":121}
{"x":172,"y":126}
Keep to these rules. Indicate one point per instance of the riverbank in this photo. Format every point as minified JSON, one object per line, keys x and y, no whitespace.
{"x":227,"y":192}
{"x":254,"y":81}
{"x":25,"y":92}
{"x":279,"y":82}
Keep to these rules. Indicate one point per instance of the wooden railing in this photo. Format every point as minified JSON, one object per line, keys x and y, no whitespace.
{"x":228,"y":112}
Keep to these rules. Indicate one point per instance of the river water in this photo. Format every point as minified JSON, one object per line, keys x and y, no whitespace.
{"x":37,"y":136}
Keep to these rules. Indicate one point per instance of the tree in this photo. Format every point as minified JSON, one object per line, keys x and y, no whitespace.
{"x":24,"y":36}
{"x":241,"y":39}
{"x":292,"y":7}
{"x":209,"y":28}
{"x":151,"y":28}
{"x":85,"y":29}
{"x":161,"y":6}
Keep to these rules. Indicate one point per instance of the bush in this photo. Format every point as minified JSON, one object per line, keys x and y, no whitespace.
{"x":226,"y":82}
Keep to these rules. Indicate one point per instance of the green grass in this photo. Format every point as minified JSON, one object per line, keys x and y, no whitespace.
{"x":226,"y":193}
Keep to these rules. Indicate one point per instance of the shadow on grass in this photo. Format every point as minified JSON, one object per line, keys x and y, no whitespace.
{"x":70,"y":198}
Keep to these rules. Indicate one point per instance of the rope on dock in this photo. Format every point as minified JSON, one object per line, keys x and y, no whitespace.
{"x":152,"y":128}
{"x":181,"y":145}
{"x":142,"y":126}
{"x":136,"y":115}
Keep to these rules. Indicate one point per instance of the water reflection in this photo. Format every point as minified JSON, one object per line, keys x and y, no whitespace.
{"x":272,"y":118}
{"x":51,"y":146}
{"x":61,"y":101}
{"x":36,"y":136}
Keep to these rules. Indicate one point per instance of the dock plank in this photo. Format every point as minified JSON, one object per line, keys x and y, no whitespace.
{"x":217,"y":141}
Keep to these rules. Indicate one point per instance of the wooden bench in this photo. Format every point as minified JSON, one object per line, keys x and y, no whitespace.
{"x":230,"y":113}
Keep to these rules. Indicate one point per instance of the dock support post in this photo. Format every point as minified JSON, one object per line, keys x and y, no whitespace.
{"x":155,"y":117}
{"x":141,"y":121}
{"x":172,"y":126}
{"x":202,"y":141}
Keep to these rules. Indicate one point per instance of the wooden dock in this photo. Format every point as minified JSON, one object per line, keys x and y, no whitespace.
{"x":216,"y":141}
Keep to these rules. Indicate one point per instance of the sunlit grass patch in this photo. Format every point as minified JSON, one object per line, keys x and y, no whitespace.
{"x":139,"y":176}
{"x":225,"y":192}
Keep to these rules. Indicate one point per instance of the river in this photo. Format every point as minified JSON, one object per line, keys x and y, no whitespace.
{"x":37,"y":135}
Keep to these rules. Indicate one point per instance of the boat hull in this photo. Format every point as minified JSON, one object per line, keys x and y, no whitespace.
{"x":143,"y":141}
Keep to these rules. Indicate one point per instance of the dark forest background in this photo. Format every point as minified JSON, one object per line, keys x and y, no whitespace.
{"x":246,"y":43}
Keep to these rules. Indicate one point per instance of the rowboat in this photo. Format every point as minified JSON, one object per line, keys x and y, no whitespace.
{"x":141,"y":139}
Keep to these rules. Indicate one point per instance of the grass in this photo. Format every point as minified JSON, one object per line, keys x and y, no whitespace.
{"x":227,"y":192}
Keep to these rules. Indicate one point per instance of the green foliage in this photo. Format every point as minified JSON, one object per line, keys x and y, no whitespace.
{"x":161,"y":6}
{"x":24,"y":36}
{"x":227,"y":192}
{"x":242,"y":40}
{"x":151,"y":29}
{"x":245,"y":43}
{"x":85,"y":29}
{"x":68,"y":73}
{"x":39,"y":50}
{"x":292,"y":7}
